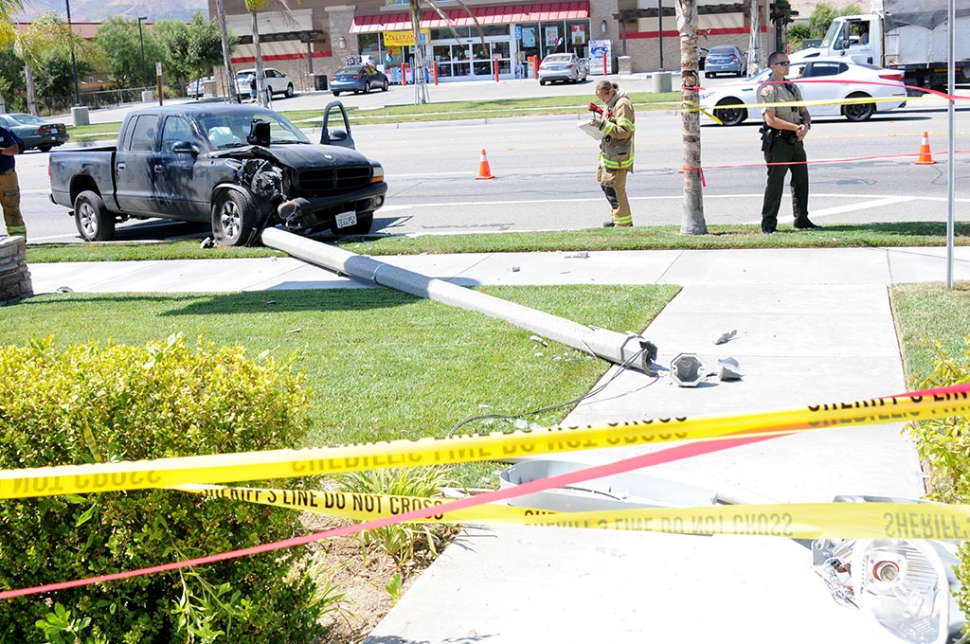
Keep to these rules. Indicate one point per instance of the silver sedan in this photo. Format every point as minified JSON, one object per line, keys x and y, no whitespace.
{"x":568,"y":68}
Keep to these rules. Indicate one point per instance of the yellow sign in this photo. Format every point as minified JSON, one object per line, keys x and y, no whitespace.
{"x":405,"y":38}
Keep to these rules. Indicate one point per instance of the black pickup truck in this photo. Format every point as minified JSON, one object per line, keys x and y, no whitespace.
{"x":240,"y":167}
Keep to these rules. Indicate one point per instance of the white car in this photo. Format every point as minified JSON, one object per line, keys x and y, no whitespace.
{"x":568,"y":68}
{"x":196,"y":89}
{"x":277,"y":81}
{"x":804,"y":54}
{"x":849,"y":81}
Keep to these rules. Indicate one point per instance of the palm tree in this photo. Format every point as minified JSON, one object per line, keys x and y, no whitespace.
{"x":414,"y":9}
{"x":47,"y":32}
{"x":8,"y":33}
{"x":692,"y":220}
{"x":253,"y":7}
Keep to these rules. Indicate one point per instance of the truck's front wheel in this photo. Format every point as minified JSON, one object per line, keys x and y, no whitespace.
{"x":233,"y":218}
{"x":93,"y":220}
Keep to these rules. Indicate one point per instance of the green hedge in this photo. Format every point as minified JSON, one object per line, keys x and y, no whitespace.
{"x":944,"y":447}
{"x":112,"y":402}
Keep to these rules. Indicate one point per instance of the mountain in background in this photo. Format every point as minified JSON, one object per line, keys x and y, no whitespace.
{"x":100,"y":10}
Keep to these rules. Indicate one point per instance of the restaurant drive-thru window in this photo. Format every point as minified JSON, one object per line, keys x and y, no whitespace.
{"x":509,"y":35}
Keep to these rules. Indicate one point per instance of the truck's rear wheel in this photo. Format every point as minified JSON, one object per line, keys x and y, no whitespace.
{"x":94,"y":222}
{"x":234,"y":217}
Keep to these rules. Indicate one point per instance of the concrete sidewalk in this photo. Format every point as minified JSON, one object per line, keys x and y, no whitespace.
{"x":725,"y":268}
{"x":813,"y":326}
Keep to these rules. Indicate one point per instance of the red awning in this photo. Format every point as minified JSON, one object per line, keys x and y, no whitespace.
{"x":501,"y":15}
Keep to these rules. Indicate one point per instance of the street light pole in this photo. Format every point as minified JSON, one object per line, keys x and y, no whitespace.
{"x":141,"y":39}
{"x":77,"y":91}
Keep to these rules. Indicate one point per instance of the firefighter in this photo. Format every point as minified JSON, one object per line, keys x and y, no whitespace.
{"x":616,"y":150}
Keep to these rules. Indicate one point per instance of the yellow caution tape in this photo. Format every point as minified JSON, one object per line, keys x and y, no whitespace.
{"x":695,"y":107}
{"x":222,"y":468}
{"x":364,"y":507}
{"x":792,"y":521}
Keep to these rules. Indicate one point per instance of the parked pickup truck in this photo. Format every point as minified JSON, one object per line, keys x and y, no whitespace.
{"x":240,"y":167}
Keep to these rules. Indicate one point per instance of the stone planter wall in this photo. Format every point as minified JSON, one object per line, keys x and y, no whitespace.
{"x":15,"y":282}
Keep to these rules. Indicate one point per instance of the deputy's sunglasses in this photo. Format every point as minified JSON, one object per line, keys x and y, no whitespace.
{"x":785,"y":63}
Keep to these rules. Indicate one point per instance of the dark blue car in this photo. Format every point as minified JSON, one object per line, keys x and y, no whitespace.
{"x":725,"y":59}
{"x":358,"y":78}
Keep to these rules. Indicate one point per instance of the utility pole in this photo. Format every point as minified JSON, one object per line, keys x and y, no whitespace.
{"x":77,"y":91}
{"x":141,"y":39}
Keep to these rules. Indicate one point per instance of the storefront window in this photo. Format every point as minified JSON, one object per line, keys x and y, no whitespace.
{"x":529,"y":43}
{"x":446,"y":34}
{"x":493,"y":30}
{"x":577,"y":37}
{"x":369,"y":45}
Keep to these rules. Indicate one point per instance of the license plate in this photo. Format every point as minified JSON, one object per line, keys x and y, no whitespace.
{"x":348,"y":219}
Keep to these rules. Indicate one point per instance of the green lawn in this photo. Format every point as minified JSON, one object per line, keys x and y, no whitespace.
{"x":931,"y":311}
{"x":382,"y":364}
{"x":442,"y":111}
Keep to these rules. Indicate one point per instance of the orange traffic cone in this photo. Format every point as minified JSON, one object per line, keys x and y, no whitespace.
{"x":484,"y":172}
{"x":925,"y":156}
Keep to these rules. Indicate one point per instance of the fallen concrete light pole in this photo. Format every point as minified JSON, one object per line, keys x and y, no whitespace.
{"x":627,"y":349}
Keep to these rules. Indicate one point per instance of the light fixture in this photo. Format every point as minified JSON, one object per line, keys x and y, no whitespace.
{"x":341,"y":42}
{"x":603,"y":26}
{"x":906,"y":589}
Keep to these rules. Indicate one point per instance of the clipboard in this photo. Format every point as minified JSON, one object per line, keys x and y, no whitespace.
{"x":592,"y":131}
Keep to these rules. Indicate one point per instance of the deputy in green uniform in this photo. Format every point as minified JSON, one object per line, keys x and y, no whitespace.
{"x":782,"y":136}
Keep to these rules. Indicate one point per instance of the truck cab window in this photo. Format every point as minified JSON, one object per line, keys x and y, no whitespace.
{"x":176,"y":129}
{"x":142,"y":134}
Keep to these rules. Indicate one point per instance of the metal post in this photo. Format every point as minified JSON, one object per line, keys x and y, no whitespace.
{"x":660,"y":30}
{"x":950,"y":170}
{"x":77,"y":91}
{"x":141,"y":39}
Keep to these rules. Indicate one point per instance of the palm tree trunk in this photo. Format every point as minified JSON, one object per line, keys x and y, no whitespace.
{"x":231,"y":90}
{"x":31,"y":90}
{"x":260,"y":80}
{"x":420,"y":86}
{"x":692,"y":219}
{"x":754,"y":46}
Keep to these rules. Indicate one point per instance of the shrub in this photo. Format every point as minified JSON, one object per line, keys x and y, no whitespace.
{"x":944,"y":448}
{"x":398,"y":540}
{"x":111,"y":402}
{"x":944,"y":443}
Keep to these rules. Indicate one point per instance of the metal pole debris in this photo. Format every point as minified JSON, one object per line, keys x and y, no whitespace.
{"x":620,"y":348}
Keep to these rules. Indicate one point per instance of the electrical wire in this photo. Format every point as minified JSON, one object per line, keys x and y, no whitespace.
{"x":621,"y":368}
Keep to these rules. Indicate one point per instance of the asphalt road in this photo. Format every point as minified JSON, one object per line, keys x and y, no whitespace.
{"x":544,"y":168}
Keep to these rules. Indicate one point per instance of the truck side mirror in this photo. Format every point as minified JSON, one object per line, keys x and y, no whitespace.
{"x":185,"y":147}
